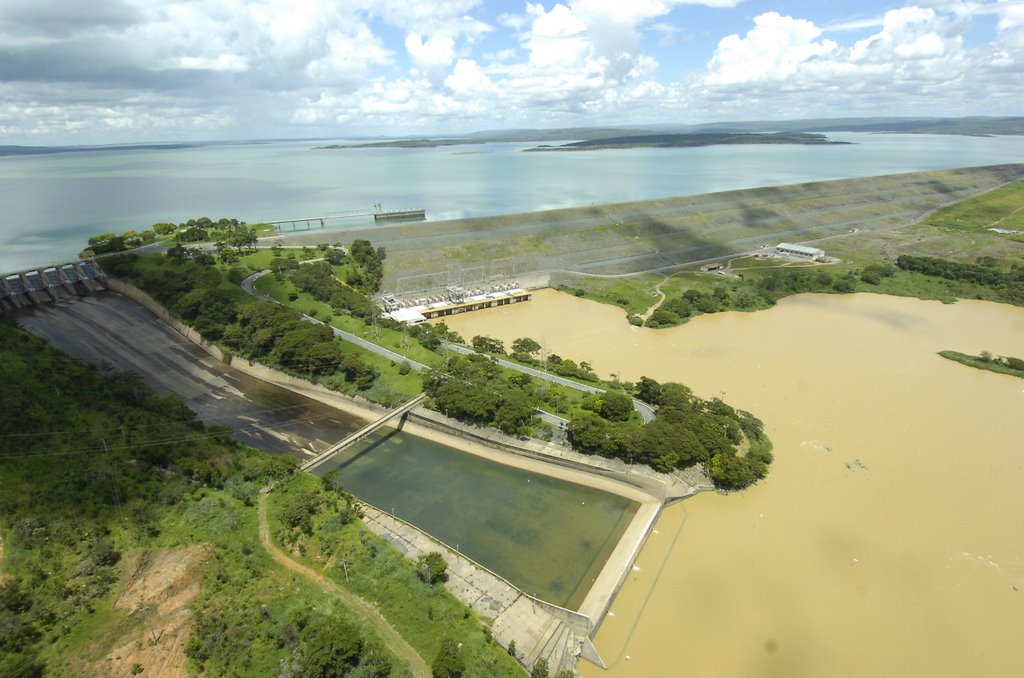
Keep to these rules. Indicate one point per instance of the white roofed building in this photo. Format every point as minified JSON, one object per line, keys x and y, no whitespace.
{"x":791,"y":250}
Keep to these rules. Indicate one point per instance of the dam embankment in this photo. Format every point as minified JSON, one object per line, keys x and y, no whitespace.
{"x":630,"y":237}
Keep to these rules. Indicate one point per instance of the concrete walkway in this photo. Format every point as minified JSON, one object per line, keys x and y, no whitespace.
{"x":535,"y":628}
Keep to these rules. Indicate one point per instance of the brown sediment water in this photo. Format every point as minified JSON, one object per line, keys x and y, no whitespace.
{"x":888,"y":538}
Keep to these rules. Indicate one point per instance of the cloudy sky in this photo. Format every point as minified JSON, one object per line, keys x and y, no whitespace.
{"x":110,"y":71}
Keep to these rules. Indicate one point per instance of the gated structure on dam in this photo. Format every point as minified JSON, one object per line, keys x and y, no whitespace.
{"x":50,"y":284}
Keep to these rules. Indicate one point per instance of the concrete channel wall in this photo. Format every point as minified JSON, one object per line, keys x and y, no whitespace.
{"x":351,"y":404}
{"x":663,"y":486}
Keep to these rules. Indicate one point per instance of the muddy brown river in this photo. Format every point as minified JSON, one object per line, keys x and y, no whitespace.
{"x":888,"y":538}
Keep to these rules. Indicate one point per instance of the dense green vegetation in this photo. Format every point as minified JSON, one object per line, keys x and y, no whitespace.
{"x":987,"y":361}
{"x":757,"y":289}
{"x":231,"y":237}
{"x":474,"y":389}
{"x":687,"y":431}
{"x":1007,"y":283}
{"x":758,"y":284}
{"x":199,"y":291}
{"x":97,"y":470}
{"x":106,"y":474}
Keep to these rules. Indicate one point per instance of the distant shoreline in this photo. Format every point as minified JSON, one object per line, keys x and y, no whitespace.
{"x":695,"y":141}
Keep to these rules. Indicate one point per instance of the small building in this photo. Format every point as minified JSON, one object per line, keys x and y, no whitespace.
{"x":802,"y":251}
{"x":714,"y":267}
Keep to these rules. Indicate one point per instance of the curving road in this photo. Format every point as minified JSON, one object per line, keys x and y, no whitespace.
{"x":645,"y":410}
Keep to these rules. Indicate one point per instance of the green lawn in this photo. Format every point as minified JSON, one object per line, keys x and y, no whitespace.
{"x":1002,"y":208}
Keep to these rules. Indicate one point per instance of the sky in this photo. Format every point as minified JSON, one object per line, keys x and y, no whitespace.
{"x":126,"y":71}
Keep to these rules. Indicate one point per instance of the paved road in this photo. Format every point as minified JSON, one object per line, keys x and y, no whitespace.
{"x":645,"y":410}
{"x":249,"y":285}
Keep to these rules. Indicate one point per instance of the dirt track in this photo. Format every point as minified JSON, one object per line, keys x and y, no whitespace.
{"x":365,"y":610}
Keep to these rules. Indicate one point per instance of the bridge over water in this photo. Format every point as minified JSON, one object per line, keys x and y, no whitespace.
{"x":50,"y":284}
{"x":362,"y":433}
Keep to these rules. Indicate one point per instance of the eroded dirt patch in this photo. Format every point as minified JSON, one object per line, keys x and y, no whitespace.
{"x":159,"y":591}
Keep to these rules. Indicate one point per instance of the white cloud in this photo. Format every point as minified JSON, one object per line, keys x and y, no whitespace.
{"x":436,"y":51}
{"x":633,"y":12}
{"x":775,"y":49}
{"x":469,"y":80}
{"x":232,"y":63}
{"x":321,"y":66}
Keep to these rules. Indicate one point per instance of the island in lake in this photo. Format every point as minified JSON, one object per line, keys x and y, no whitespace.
{"x":693,"y":140}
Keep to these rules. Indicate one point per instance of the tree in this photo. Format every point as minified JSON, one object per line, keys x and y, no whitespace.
{"x":732,"y":472}
{"x":449,"y":662}
{"x":540,"y":669}
{"x":329,"y":648}
{"x":525,"y":347}
{"x":432,"y":568}
{"x":299,"y":509}
{"x":649,"y":391}
{"x":591,"y":434}
{"x":616,"y":406}
{"x":488,"y":345}
{"x":514,"y":412}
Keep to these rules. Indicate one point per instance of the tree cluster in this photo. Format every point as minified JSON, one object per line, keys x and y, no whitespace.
{"x":431,"y":336}
{"x":473,"y":389}
{"x":686,"y":431}
{"x":760,"y":291}
{"x":255,"y":329}
{"x":370,"y":262}
{"x":1008,"y":284}
{"x":106,"y":243}
{"x":317,"y":278}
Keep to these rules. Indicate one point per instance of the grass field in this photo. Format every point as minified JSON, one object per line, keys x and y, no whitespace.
{"x":1001,"y":208}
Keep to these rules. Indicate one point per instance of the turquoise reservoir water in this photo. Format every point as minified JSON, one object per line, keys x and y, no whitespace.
{"x":54,"y":203}
{"x":547,"y":536}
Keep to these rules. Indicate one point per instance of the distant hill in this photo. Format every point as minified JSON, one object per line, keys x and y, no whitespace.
{"x":611,"y":136}
{"x":44,"y":151}
{"x":971,"y":126}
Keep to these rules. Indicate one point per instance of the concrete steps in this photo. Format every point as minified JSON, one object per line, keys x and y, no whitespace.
{"x":553,"y":628}
{"x":559,"y":645}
